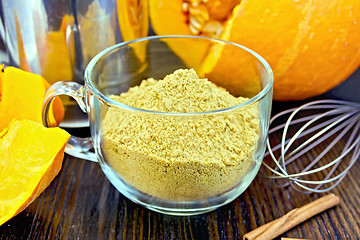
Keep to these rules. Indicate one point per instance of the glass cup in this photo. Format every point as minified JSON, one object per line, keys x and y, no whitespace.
{"x":174,"y":163}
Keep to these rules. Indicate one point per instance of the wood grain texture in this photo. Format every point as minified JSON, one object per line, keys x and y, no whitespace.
{"x":82,"y":204}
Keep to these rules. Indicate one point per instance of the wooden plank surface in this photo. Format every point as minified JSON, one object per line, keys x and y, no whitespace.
{"x":82,"y":204}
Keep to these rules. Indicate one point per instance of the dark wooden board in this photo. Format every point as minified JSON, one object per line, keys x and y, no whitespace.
{"x":82,"y":204}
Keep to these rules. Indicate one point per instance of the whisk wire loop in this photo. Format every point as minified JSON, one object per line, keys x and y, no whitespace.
{"x":339,"y":121}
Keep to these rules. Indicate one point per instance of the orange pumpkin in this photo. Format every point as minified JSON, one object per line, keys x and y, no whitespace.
{"x":312,"y":46}
{"x":133,"y":17}
{"x":31,"y":156}
{"x":55,"y":57}
{"x":22,"y":96}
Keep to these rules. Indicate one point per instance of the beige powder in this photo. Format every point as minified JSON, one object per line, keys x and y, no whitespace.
{"x":180,"y":157}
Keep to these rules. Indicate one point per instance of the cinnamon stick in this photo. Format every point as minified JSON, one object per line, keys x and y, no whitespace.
{"x":293,"y":239}
{"x":291,"y":219}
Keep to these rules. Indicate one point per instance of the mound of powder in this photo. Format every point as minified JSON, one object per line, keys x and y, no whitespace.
{"x":180,"y":157}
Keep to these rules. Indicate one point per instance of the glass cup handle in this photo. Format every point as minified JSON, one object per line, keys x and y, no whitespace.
{"x":76,"y":146}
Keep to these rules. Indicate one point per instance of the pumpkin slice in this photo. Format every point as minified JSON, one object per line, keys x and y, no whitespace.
{"x":133,"y":19}
{"x":173,"y":21}
{"x":31,"y":156}
{"x":240,"y":79}
{"x":55,"y":58}
{"x":312,"y":46}
{"x":22,"y":97}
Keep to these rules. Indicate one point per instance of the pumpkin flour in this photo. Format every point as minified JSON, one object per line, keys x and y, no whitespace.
{"x":180,"y":157}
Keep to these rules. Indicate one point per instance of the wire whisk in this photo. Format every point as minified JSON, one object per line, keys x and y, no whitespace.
{"x":335,"y":124}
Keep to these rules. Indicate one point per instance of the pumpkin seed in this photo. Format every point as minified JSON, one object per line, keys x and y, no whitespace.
{"x":185,"y":7}
{"x":212,"y":27}
{"x":196,"y":24}
{"x":195,"y":2}
{"x":193,"y":30}
{"x":199,"y":18}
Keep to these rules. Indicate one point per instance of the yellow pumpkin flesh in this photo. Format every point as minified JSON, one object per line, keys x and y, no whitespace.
{"x":312,"y":46}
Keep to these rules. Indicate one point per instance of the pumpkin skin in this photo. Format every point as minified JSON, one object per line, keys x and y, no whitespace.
{"x":312,"y":46}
